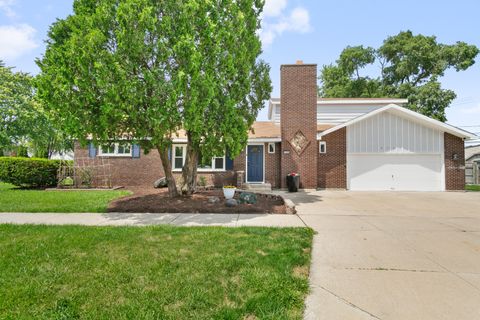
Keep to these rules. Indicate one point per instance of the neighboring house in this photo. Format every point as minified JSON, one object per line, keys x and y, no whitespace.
{"x":356,"y":144}
{"x":472,"y":164}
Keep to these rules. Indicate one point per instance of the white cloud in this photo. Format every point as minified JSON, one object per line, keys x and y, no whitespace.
{"x":298,"y":20}
{"x":274,"y":8}
{"x":6,"y":8}
{"x":16,"y":40}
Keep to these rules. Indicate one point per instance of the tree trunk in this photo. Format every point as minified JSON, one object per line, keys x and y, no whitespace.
{"x":167,"y":168}
{"x":189,"y":170}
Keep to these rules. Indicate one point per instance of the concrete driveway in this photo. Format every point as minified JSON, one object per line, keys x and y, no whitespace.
{"x":385,"y":255}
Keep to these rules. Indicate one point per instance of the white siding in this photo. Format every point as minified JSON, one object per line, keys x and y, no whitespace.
{"x":334,"y":114}
{"x":389,"y":133}
{"x":337,"y":114}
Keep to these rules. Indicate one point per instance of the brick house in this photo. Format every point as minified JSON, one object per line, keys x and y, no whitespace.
{"x":356,"y":144}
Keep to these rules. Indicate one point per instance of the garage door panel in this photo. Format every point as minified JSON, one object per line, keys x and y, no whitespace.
{"x":400,"y":172}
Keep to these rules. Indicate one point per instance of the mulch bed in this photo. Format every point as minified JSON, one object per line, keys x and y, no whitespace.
{"x":152,"y":200}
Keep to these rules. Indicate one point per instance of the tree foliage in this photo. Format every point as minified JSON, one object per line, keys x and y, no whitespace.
{"x":410,"y":67}
{"x":23,"y":121}
{"x":147,"y":68}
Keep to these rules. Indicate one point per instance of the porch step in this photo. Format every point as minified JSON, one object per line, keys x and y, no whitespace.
{"x":258,"y":186}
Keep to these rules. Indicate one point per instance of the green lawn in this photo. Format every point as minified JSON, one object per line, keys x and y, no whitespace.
{"x":472,"y":187}
{"x":17,"y":200}
{"x":74,"y":272}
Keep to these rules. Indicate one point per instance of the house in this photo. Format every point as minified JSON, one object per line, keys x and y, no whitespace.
{"x":472,"y":164}
{"x":356,"y":144}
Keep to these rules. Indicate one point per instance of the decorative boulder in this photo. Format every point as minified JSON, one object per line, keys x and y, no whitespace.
{"x":160,"y":183}
{"x":247,"y":197}
{"x":213,"y":199}
{"x":231,"y":203}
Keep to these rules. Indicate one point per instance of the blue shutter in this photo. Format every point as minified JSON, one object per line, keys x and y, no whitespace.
{"x":92,"y":150}
{"x":228,"y":161}
{"x":135,"y":151}
{"x":170,"y":153}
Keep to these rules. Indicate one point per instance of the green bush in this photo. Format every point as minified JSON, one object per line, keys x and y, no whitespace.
{"x":30,"y":172}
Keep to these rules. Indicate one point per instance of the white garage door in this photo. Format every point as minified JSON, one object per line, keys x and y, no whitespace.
{"x":395,"y":172}
{"x":390,"y":152}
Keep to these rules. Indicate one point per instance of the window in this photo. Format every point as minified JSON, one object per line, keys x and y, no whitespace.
{"x":124,"y":148}
{"x":271,"y":147}
{"x":179,"y":156}
{"x":119,"y":149}
{"x":322,"y":146}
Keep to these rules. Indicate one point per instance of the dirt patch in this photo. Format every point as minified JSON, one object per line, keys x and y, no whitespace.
{"x":157,"y":201}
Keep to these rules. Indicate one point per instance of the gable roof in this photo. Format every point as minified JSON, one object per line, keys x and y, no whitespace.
{"x":408,"y":114}
{"x":471,"y":152}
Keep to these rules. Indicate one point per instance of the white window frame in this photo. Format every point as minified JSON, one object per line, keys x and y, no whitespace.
{"x":115,"y":152}
{"x":268,"y":147}
{"x":324,"y":145}
{"x":184,"y":155}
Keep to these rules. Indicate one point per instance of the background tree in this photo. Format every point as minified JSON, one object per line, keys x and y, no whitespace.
{"x":23,"y":121}
{"x":410,"y":67}
{"x":146,"y":68}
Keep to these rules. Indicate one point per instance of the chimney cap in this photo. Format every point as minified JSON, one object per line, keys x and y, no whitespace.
{"x":299,"y":62}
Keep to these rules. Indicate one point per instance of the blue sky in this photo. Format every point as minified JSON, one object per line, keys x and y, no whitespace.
{"x":312,"y":31}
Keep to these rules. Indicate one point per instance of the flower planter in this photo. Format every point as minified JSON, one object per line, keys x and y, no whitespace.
{"x":229,"y":192}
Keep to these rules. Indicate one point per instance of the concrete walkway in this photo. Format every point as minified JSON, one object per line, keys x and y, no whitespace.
{"x":143,"y":219}
{"x":393,"y":255}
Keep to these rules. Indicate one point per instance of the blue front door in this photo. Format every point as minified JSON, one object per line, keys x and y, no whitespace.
{"x":255,"y":163}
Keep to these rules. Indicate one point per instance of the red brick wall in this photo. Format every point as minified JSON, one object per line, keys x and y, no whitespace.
{"x":332,"y":166}
{"x":273,"y":166}
{"x":144,"y":171}
{"x":454,"y":169}
{"x":298,"y":87}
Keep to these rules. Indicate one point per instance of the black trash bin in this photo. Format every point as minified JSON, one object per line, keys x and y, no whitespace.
{"x":293,"y":182}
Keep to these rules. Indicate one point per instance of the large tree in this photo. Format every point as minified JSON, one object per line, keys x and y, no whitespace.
{"x":409,"y":65}
{"x":23,"y":121}
{"x":147,"y":68}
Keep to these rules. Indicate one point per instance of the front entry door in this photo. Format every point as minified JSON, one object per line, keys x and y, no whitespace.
{"x":255,"y":163}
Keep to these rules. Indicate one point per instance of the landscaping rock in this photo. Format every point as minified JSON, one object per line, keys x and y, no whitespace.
{"x":160,"y":183}
{"x":213,"y":199}
{"x":231,"y":203}
{"x":247,"y":197}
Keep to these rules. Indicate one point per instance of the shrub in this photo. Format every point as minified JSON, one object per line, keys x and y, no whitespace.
{"x":29,"y":172}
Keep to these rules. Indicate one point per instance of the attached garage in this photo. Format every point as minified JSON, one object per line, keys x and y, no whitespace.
{"x":396,"y":149}
{"x":389,"y":151}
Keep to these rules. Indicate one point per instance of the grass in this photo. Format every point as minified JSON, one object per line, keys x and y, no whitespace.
{"x":472,"y":187}
{"x":161,"y":272}
{"x":18,"y":200}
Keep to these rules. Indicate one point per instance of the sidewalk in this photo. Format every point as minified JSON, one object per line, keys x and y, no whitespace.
{"x":144,"y":219}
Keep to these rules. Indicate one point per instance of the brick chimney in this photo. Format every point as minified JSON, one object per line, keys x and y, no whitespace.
{"x":298,"y":122}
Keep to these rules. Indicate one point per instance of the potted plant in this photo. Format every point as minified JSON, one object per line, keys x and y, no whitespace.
{"x":229,"y":191}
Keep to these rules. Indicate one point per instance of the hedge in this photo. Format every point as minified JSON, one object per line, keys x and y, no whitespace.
{"x":30,"y":172}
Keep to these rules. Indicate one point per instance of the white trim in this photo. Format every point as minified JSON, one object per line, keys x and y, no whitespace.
{"x":250,"y":140}
{"x":115,"y":152}
{"x":184,"y":156}
{"x":268,"y":147}
{"x":417,"y":116}
{"x":262,"y":140}
{"x":246,"y":162}
{"x":276,"y":101}
{"x":361,"y":101}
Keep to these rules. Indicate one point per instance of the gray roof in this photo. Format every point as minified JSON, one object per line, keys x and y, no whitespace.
{"x":471,"y":151}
